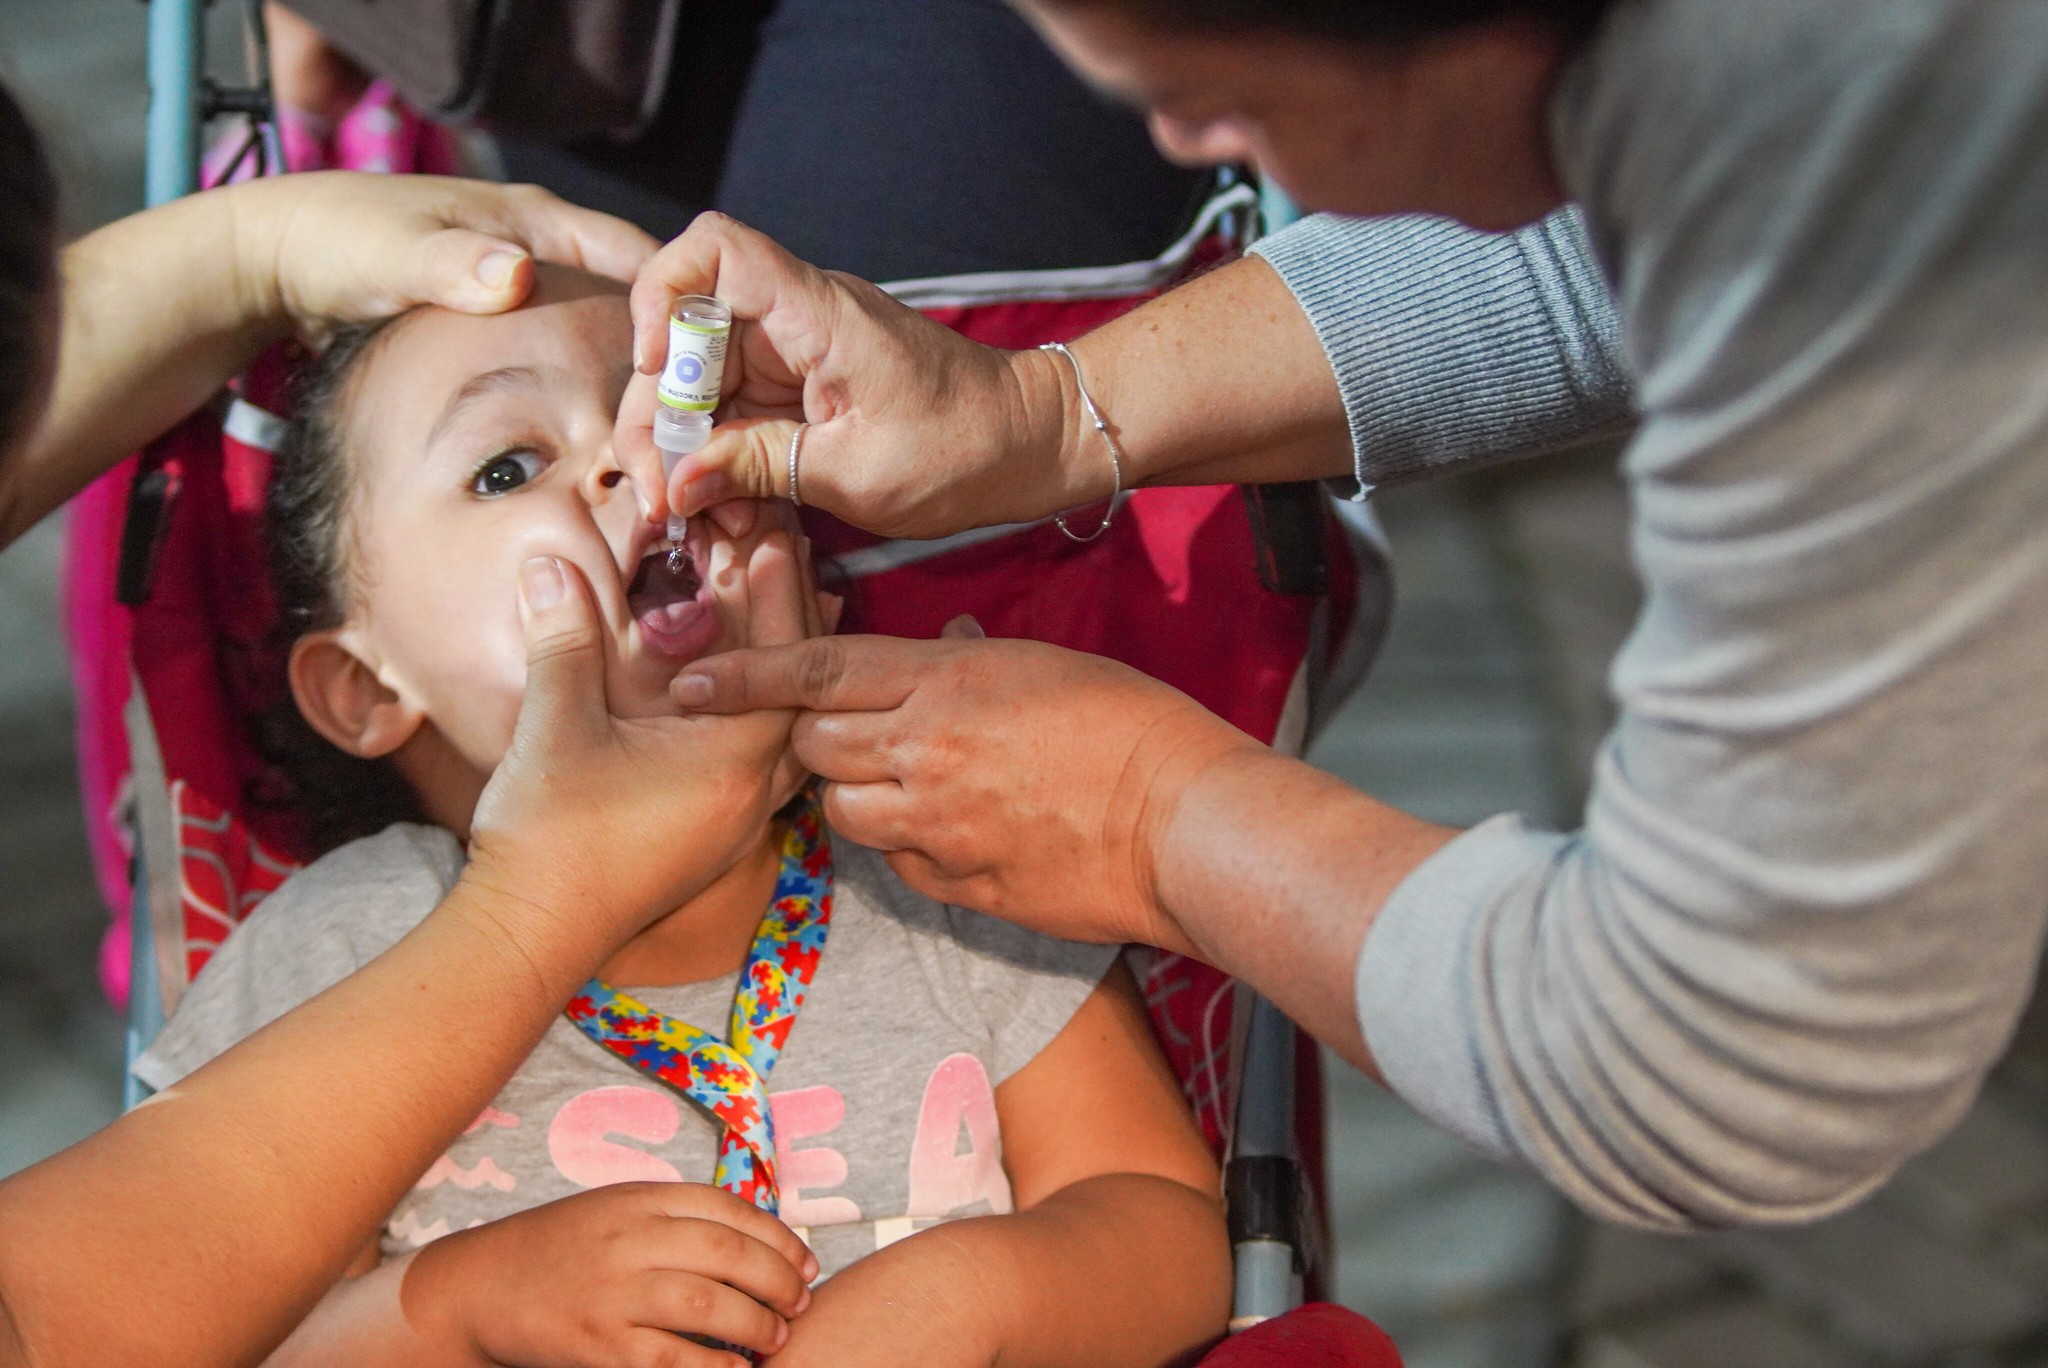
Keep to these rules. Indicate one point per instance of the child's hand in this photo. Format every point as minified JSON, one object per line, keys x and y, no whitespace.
{"x":613,"y":1278}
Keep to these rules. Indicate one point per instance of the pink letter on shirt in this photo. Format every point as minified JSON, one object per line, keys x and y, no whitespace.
{"x":491,"y":1116}
{"x":485,"y":1174}
{"x":578,"y":1137}
{"x":799,"y":1115}
{"x":944,"y":1178}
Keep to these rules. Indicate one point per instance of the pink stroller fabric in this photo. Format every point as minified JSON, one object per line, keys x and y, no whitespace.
{"x":381,"y":132}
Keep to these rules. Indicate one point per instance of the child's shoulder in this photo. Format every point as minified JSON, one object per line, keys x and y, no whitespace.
{"x":374,"y":889}
{"x":878,"y":892}
{"x":321,"y":925}
{"x":1015,"y":988}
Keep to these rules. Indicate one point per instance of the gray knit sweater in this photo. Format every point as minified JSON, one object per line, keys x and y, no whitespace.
{"x":1808,"y":900}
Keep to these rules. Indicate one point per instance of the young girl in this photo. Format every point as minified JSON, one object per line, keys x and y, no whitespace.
{"x":968,"y":1124}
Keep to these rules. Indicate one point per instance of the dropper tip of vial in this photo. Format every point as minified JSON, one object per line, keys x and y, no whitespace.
{"x":678,"y":544}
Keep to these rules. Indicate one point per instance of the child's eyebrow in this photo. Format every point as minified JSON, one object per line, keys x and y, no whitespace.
{"x":476,"y":387}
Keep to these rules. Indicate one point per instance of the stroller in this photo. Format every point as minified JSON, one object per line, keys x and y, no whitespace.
{"x":1258,"y":603}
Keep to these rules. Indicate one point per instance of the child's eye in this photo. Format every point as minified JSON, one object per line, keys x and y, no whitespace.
{"x":505,"y":472}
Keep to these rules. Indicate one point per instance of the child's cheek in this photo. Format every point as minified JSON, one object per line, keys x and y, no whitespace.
{"x":478,"y":682}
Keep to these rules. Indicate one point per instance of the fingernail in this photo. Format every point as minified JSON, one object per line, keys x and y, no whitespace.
{"x":736,"y":517}
{"x":541,"y":583}
{"x":811,"y":1268}
{"x":782,"y":1333}
{"x":496,"y":269}
{"x":693,"y":691}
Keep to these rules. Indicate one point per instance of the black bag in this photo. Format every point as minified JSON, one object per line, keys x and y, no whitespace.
{"x":550,"y":70}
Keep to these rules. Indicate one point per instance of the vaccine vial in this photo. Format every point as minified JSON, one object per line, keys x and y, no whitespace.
{"x":699,"y":327}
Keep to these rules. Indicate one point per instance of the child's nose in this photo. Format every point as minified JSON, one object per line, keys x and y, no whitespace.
{"x":605,"y":479}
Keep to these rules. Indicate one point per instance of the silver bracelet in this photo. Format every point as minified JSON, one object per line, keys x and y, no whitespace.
{"x":796,"y":446}
{"x":1116,"y":453}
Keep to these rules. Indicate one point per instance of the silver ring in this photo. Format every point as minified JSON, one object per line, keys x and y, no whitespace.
{"x":796,"y":445}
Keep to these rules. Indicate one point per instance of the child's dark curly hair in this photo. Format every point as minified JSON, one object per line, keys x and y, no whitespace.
{"x":312,"y":487}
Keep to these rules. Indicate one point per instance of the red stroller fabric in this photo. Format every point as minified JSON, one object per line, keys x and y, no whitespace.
{"x":1318,"y":1335}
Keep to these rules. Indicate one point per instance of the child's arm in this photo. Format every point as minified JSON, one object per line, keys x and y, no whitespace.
{"x":611,"y":1278}
{"x":1116,"y":1253}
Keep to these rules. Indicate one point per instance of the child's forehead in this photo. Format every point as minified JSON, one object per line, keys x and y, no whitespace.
{"x":565,"y":303}
{"x":571,"y":320}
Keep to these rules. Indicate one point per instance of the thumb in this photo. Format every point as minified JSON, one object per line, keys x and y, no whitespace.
{"x":471,"y":272}
{"x":565,"y":699}
{"x":747,"y":458}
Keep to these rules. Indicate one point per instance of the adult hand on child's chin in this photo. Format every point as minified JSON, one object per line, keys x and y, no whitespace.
{"x":624,"y":819}
{"x":1030,"y":782}
{"x":336,"y":245}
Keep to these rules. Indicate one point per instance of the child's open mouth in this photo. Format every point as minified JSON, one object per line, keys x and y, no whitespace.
{"x":675,"y":615}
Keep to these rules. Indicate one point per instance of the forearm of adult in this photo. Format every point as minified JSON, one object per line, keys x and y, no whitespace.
{"x":1388,"y":349}
{"x":327,"y":1114}
{"x":1276,"y":870}
{"x":156,"y":315}
{"x":1217,"y":381}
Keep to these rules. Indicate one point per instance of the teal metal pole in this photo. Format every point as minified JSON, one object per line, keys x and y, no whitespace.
{"x":145,"y":985}
{"x":177,"y":50}
{"x":177,"y":46}
{"x":1276,"y":210}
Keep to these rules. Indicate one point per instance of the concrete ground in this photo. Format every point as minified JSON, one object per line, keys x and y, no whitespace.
{"x":1489,"y":696}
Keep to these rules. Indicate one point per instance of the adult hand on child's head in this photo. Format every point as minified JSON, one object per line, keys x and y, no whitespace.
{"x":621,"y":820}
{"x":915,"y":431}
{"x":336,"y":245}
{"x":612,"y":1278}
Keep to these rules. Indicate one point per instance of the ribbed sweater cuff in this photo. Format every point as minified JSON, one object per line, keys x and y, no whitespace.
{"x":1455,"y":347}
{"x":1416,"y":976}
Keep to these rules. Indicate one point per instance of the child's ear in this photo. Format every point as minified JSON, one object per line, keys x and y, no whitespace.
{"x":340,"y":697}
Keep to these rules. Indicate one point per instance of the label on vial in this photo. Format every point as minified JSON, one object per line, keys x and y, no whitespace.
{"x":696,"y":365}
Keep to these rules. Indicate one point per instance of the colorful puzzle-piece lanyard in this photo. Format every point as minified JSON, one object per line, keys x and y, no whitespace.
{"x":730,"y":1077}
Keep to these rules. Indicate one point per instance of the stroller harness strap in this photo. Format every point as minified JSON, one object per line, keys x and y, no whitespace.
{"x":729,"y":1078}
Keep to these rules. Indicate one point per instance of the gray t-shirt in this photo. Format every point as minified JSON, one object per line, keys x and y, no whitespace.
{"x":884,"y":1097}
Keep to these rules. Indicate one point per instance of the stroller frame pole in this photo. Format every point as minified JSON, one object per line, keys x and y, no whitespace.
{"x":1263,"y":1178}
{"x":177,"y":57}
